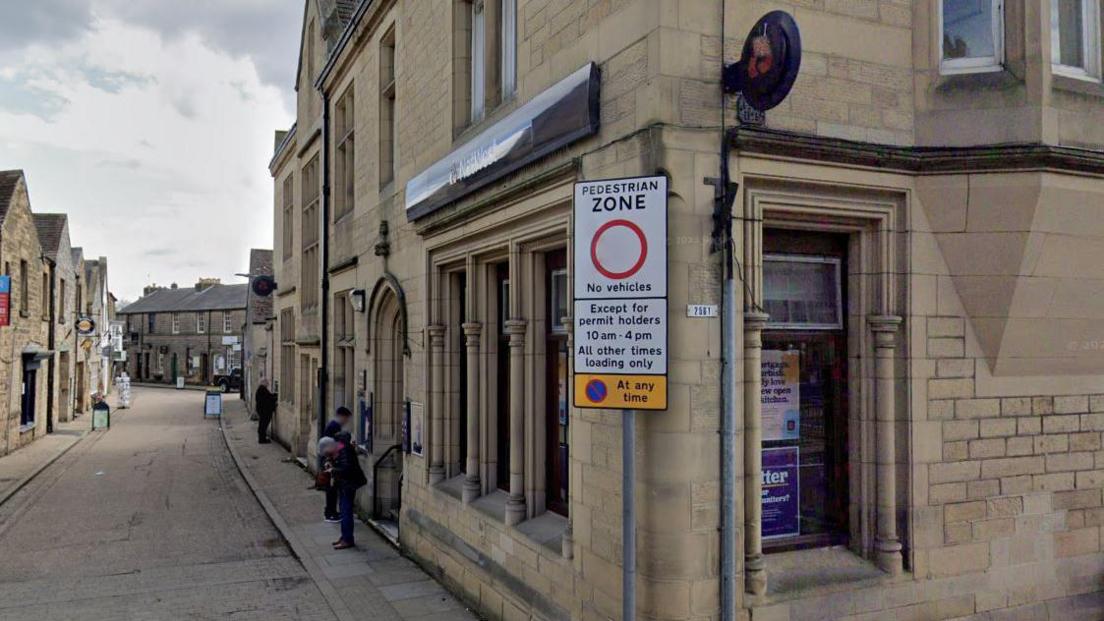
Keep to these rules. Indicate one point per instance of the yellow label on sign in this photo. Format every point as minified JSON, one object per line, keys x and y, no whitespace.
{"x":621,"y":392}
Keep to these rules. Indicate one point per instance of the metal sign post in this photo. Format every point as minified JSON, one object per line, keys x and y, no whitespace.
{"x":620,"y":312}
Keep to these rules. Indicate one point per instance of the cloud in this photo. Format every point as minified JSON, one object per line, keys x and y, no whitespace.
{"x":156,"y":146}
{"x":43,"y":22}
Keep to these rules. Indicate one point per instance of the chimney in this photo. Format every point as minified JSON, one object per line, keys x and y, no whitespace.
{"x":207,"y":283}
{"x":148,"y":289}
{"x":172,"y":286}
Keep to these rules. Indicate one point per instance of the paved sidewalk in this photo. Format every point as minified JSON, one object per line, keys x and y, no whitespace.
{"x":372,"y":582}
{"x":23,"y":464}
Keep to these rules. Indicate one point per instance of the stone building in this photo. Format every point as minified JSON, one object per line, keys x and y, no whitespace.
{"x":96,"y":306}
{"x":917,"y":233}
{"x":53,"y":236}
{"x":193,"y":333}
{"x":24,"y":343}
{"x":258,"y":330}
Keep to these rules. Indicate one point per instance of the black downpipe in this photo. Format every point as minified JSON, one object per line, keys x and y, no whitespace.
{"x":324,"y":273}
{"x":50,"y":340}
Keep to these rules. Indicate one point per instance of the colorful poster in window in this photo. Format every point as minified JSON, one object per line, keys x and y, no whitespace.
{"x":5,"y":300}
{"x":781,"y":397}
{"x":781,"y":493}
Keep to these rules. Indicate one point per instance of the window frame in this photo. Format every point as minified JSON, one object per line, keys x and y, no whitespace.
{"x":227,"y":322}
{"x":807,"y":258}
{"x":201,"y":323}
{"x":176,"y":323}
{"x":981,"y":64}
{"x":1090,"y":43}
{"x":388,"y":109}
{"x":345,"y":152}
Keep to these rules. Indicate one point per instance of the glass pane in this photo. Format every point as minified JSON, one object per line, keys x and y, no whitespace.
{"x":558,"y":300}
{"x":1067,"y":30}
{"x":798,"y":291}
{"x":968,"y":29}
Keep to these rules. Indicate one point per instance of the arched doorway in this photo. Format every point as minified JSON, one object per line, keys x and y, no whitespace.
{"x":388,"y":345}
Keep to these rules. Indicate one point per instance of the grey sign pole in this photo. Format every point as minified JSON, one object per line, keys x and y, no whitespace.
{"x":628,"y":516}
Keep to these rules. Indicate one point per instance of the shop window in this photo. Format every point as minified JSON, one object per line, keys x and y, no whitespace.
{"x":345,"y":170}
{"x":972,"y":35}
{"x":502,"y":368}
{"x":1075,"y":37}
{"x":556,"y":384}
{"x":804,"y":393}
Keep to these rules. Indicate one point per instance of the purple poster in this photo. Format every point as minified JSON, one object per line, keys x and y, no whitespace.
{"x":781,"y":515}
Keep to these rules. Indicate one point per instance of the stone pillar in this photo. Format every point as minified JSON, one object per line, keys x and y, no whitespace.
{"x":887,"y":547}
{"x":755,"y":574}
{"x":472,"y":487}
{"x":437,"y":411}
{"x":515,"y":504}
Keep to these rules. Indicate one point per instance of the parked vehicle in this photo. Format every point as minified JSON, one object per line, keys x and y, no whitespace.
{"x":230,"y":382}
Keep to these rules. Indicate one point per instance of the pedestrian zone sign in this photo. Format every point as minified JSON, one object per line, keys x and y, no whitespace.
{"x":620,"y":260}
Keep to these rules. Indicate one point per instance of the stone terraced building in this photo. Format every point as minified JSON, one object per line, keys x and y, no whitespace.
{"x":918,"y":232}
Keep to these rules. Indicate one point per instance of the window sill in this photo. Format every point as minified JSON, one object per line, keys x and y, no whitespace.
{"x":546,"y":530}
{"x":24,"y":314}
{"x":804,"y":574}
{"x":1085,"y":85}
{"x":24,"y":429}
{"x":996,"y":79}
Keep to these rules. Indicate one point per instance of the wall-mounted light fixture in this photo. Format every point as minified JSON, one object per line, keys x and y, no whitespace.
{"x":356,"y":298}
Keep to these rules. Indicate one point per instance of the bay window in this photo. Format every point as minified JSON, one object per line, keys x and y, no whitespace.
{"x":1075,"y":37}
{"x":972,"y":35}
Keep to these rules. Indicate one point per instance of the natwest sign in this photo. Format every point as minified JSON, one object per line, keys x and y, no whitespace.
{"x":5,"y":300}
{"x":558,"y":116}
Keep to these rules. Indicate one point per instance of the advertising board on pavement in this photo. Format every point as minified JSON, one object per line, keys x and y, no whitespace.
{"x":620,"y":261}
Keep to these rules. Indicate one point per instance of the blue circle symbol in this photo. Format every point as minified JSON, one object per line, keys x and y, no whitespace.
{"x":596,"y":391}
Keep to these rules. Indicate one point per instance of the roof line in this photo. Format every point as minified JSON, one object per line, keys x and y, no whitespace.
{"x":354,"y":21}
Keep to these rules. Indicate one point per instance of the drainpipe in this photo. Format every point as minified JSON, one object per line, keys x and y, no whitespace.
{"x":50,"y":340}
{"x":724,"y":195}
{"x":324,"y":273}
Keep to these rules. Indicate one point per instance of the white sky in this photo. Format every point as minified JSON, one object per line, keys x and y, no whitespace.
{"x":153,"y":132}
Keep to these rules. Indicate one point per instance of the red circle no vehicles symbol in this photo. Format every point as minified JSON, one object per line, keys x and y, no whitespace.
{"x":605,"y":271}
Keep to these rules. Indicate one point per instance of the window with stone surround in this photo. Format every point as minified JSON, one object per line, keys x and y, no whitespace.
{"x":62,"y":309}
{"x":286,"y":390}
{"x":288,"y":196}
{"x":498,"y":367}
{"x":24,"y":288}
{"x":309,"y":265}
{"x":201,"y":323}
{"x":45,"y":303}
{"x":176,"y":323}
{"x":1075,"y":38}
{"x":822,"y":405}
{"x":227,"y":322}
{"x":345,"y":155}
{"x":972,"y":35}
{"x":485,"y":70}
{"x":344,"y":323}
{"x":387,"y":109}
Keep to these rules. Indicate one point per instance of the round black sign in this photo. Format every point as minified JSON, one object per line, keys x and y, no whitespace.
{"x":770,"y":62}
{"x":264,"y":286}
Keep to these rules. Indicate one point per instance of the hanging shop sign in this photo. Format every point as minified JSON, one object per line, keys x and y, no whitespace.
{"x":620,"y":259}
{"x":86,"y":326}
{"x":781,"y":492}
{"x":781,"y":395}
{"x":770,"y":62}
{"x":5,"y":300}
{"x":552,"y":120}
{"x":263,"y":286}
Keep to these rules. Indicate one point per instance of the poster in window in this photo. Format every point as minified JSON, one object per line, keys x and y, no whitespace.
{"x":781,"y":397}
{"x":417,"y":426}
{"x":781,"y":493}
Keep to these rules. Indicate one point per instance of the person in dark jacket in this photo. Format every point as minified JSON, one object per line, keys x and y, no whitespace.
{"x":335,"y":429}
{"x":347,"y":478}
{"x":265,"y":403}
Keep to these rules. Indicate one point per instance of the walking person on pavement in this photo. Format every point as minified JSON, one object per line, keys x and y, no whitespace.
{"x":335,"y":429}
{"x":347,"y":478}
{"x":265,"y":403}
